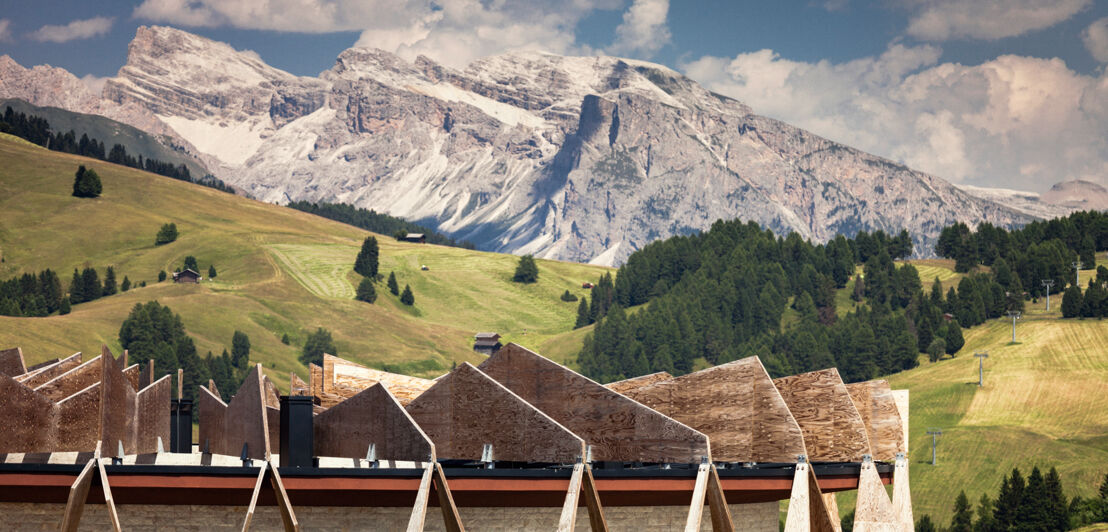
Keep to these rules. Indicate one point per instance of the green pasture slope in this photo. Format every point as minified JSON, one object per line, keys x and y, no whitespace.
{"x":279,"y":271}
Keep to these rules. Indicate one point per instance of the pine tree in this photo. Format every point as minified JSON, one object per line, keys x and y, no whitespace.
{"x":90,"y":281}
{"x":9,"y":307}
{"x":161,"y":276}
{"x":86,"y":184}
{"x":1072,"y":302}
{"x":366,"y":262}
{"x":1008,"y":501}
{"x":211,"y":272}
{"x":1057,"y":509}
{"x":406,"y":297}
{"x":316,"y":345}
{"x":568,"y":297}
{"x":191,"y":264}
{"x":167,"y":234}
{"x":954,"y":339}
{"x":126,"y":284}
{"x":583,"y":314}
{"x":77,"y":288}
{"x":109,"y":282}
{"x":526,"y":271}
{"x":366,"y":292}
{"x":963,"y":515}
{"x":923,"y":524}
{"x":285,"y":339}
{"x":394,"y":288}
{"x":240,"y":350}
{"x":51,"y":288}
{"x":63,"y":308}
{"x":985,"y":521}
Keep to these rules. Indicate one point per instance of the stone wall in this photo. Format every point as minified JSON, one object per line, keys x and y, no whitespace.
{"x":760,"y":517}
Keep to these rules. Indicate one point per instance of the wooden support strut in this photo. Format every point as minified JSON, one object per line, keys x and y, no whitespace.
{"x":902,"y":494}
{"x":696,"y":507}
{"x":288,"y":517}
{"x":419,"y":509}
{"x":808,"y":510}
{"x":582,"y":481}
{"x":450,"y":516}
{"x":569,"y":509}
{"x":709,"y":489}
{"x":78,"y":496}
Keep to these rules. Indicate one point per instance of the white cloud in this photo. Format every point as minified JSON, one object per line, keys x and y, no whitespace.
{"x":306,"y":16}
{"x":941,"y":20}
{"x":643,"y":29}
{"x":95,"y":84}
{"x":5,"y":30}
{"x":1096,"y":39}
{"x":1015,"y":122}
{"x":78,"y":29}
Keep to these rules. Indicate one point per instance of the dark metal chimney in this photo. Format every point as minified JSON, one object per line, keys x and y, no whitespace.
{"x":297,"y":431}
{"x":180,"y":426}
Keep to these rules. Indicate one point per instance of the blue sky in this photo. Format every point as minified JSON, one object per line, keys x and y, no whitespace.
{"x":1006,"y":93}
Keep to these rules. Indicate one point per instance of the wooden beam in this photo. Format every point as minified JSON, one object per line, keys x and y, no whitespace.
{"x":254,"y":499}
{"x":734,"y":404}
{"x":877,"y":406}
{"x":371,"y":416}
{"x":717,"y":503}
{"x":450,"y":518}
{"x":78,"y":495}
{"x":902,"y":493}
{"x":419,"y":509}
{"x":832,"y":504}
{"x":833,"y":428}
{"x":635,"y":383}
{"x":696,"y":507}
{"x":618,"y":428}
{"x":568,"y":520}
{"x":799,"y":516}
{"x":874,"y":511}
{"x":108,"y":499}
{"x":466,"y":409}
{"x":901,"y":398}
{"x":288,"y":516}
{"x":592,"y":502}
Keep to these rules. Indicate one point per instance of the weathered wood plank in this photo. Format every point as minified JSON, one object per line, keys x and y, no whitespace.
{"x":717,"y":503}
{"x":372,"y":416}
{"x":592,"y":502}
{"x":833,"y":429}
{"x":25,"y":416}
{"x":450,"y":517}
{"x":877,"y":406}
{"x":106,"y":487}
{"x":288,"y":516}
{"x":78,"y":496}
{"x":902,"y":493}
{"x":901,"y":398}
{"x":254,"y":499}
{"x":635,"y":383}
{"x":11,"y":362}
{"x":617,"y":427}
{"x":466,"y":409}
{"x":568,"y":520}
{"x":696,"y":507}
{"x":419,"y":509}
{"x":736,"y":405}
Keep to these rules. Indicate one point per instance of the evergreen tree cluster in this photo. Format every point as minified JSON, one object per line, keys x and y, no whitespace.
{"x":86,"y":184}
{"x":87,"y":286}
{"x":1039,"y":250}
{"x":1092,"y":303}
{"x":318,"y":343}
{"x":720,"y":295}
{"x":37,"y":130}
{"x":167,"y":234}
{"x":366,"y":263}
{"x":32,"y":295}
{"x":526,"y":271}
{"x":374,"y":221}
{"x":153,"y":332}
{"x":1034,"y":504}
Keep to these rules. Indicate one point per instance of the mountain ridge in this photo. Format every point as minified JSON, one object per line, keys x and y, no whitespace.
{"x":573,"y":158}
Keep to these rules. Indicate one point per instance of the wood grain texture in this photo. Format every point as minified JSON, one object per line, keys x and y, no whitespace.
{"x":877,"y":406}
{"x":466,"y":409}
{"x":597,"y":522}
{"x":77,"y":421}
{"x":696,"y":506}
{"x":568,"y":519}
{"x":833,"y":428}
{"x":617,"y":427}
{"x":72,"y":381}
{"x":902,"y":493}
{"x":44,"y":374}
{"x":11,"y":362}
{"x":117,"y":406}
{"x":635,"y":383}
{"x":901,"y":398}
{"x":450,"y":517}
{"x":372,"y":416}
{"x":736,"y":405}
{"x":25,"y":416}
{"x":831,"y":502}
{"x":343,"y":379}
{"x":106,"y":487}
{"x":133,"y":373}
{"x":717,"y":503}
{"x":226,"y":427}
{"x":78,"y":495}
{"x":419,"y":509}
{"x":288,"y":516}
{"x":315,"y":380}
{"x":799,"y":518}
{"x":822,"y":517}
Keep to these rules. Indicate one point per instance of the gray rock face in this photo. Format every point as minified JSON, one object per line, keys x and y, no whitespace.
{"x":574,"y":158}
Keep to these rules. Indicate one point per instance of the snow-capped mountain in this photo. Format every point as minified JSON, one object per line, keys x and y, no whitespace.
{"x":575,"y":158}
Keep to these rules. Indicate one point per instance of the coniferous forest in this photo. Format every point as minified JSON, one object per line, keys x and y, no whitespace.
{"x":371,"y":220}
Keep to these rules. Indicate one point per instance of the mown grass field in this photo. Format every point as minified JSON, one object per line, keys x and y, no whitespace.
{"x":1044,"y":403}
{"x":280,"y":272}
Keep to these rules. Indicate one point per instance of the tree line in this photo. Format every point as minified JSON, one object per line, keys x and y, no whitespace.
{"x":1092,"y":303}
{"x":31,"y":295}
{"x":1037,"y":503}
{"x":371,"y":220}
{"x":36,"y":130}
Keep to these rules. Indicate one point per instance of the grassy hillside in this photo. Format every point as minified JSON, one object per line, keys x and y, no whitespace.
{"x":279,"y":271}
{"x":1043,"y":404}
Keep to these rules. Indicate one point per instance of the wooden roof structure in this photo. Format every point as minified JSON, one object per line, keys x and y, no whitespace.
{"x":634,"y":383}
{"x":617,"y":427}
{"x":877,"y":406}
{"x":372,"y":416}
{"x":736,"y":405}
{"x":833,"y":428}
{"x":466,"y":409}
{"x":339,"y":379}
{"x":225,"y":428}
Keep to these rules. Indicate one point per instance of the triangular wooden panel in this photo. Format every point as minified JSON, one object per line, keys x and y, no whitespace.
{"x":137,"y":419}
{"x":736,"y":405}
{"x":466,"y":409}
{"x":617,"y":427}
{"x":25,"y":416}
{"x":902,"y":493}
{"x":877,"y":406}
{"x":901,"y":398}
{"x":808,"y":509}
{"x":40,"y":376}
{"x":342,"y":379}
{"x":77,"y":421}
{"x":635,"y":383}
{"x":833,"y":429}
{"x":72,"y":381}
{"x":224,"y":428}
{"x":874,"y":511}
{"x":372,"y":416}
{"x":11,"y":362}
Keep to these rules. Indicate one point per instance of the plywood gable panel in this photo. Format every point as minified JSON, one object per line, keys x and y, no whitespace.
{"x":617,"y":427}
{"x":72,"y":381}
{"x":466,"y":409}
{"x":345,"y":379}
{"x":44,"y":374}
{"x":11,"y":362}
{"x":371,"y":416}
{"x":833,"y":429}
{"x":877,"y":406}
{"x":736,"y":405}
{"x":634,"y":383}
